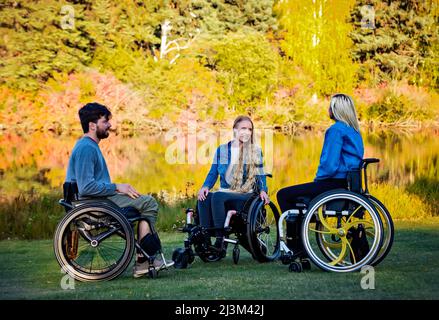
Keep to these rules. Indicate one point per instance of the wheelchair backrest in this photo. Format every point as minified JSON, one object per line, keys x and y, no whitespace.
{"x":70,"y":192}
{"x":354,"y":180}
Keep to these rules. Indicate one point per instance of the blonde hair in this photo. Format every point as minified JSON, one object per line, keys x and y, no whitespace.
{"x":343,"y":109}
{"x":249,"y":155}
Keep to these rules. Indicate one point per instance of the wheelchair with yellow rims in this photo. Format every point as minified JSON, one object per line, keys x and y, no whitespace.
{"x":95,"y":240}
{"x":254,"y":226}
{"x":341,"y":230}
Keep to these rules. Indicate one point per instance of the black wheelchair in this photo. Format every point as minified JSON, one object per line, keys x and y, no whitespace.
{"x":341,"y":230}
{"x":95,"y":240}
{"x":254,"y":226}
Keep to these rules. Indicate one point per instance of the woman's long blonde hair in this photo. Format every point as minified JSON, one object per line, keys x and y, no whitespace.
{"x":343,"y":109}
{"x":249,"y":154}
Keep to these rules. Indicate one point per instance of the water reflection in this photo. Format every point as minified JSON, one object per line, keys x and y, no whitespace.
{"x":38,"y":162}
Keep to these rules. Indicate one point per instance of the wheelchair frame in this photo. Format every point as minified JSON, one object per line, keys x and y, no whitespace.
{"x":102,"y":214}
{"x":242,"y":223}
{"x":299,"y":253}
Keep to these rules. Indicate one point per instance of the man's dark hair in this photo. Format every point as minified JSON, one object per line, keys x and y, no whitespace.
{"x":92,"y":112}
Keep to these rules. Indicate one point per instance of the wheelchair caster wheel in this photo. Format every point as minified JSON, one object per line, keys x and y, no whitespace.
{"x":236,"y":252}
{"x":295,"y":267}
{"x":286,"y":258}
{"x":190,"y":256}
{"x":306,"y":264}
{"x":181,"y":258}
{"x":152,"y":273}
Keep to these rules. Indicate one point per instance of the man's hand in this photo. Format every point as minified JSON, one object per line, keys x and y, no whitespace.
{"x":202,"y":194}
{"x":127,"y":189}
{"x":264,"y":196}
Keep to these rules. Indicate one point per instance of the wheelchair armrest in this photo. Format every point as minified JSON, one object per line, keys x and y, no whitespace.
{"x":65,"y":204}
{"x":367,"y":161}
{"x":269,"y":175}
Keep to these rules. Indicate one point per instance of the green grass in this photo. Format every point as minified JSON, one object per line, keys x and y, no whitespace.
{"x":28,"y":270}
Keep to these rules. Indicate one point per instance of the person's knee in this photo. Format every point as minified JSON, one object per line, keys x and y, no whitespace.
{"x":218,"y":196}
{"x":149,"y":203}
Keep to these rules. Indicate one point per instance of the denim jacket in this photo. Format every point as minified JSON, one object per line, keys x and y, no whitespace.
{"x":342,"y":151}
{"x":220,"y":163}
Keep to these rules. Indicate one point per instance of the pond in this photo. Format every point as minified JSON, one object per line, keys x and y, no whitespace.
{"x":175,"y":164}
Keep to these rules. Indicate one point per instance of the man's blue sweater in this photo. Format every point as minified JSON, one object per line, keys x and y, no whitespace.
{"x":87,"y":167}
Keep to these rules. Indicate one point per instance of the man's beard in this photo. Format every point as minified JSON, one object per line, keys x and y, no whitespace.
{"x":102,"y":134}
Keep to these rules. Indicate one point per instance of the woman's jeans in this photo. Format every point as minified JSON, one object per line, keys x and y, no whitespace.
{"x":213,"y":210}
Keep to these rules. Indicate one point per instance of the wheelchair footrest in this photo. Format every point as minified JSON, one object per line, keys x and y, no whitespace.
{"x":231,"y":241}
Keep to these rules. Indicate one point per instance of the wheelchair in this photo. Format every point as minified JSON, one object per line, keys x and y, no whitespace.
{"x":254,"y":226}
{"x":95,"y":240}
{"x":341,"y":230}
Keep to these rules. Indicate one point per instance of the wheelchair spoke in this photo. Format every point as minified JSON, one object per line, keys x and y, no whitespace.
{"x":102,"y":258}
{"x":353,"y":213}
{"x":333,"y":245}
{"x":352,"y":251}
{"x":324,"y":222}
{"x":109,"y":262}
{"x":342,"y":253}
{"x":323,"y":232}
{"x":370,"y":233}
{"x":355,"y":223}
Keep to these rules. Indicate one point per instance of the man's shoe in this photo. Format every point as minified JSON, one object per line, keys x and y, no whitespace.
{"x":140,"y":269}
{"x":160,"y":264}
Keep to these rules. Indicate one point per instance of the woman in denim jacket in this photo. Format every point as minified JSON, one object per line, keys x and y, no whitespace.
{"x":240,"y":167}
{"x":342,"y":151}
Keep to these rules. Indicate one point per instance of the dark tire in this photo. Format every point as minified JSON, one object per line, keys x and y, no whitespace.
{"x":306,"y":264}
{"x":191,"y":256}
{"x":152,"y":273}
{"x":236,"y":253}
{"x":295,"y":267}
{"x":263,"y":232}
{"x":181,"y":258}
{"x":388,"y":230}
{"x":105,"y":243}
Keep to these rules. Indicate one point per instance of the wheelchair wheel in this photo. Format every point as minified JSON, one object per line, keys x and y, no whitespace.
{"x":235,"y":255}
{"x":102,"y":248}
{"x":342,"y":231}
{"x":263,"y":232}
{"x":388,"y":230}
{"x":182,"y":258}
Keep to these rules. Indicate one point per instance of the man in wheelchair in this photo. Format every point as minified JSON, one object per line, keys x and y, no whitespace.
{"x":87,"y":168}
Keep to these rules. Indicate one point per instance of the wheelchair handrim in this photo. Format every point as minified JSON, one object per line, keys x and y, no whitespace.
{"x":75,"y":270}
{"x":377,"y":237}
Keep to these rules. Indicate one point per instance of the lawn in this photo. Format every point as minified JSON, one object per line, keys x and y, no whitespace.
{"x":28,"y":270}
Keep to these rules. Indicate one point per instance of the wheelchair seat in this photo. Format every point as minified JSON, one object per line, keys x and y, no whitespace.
{"x":71,"y":196}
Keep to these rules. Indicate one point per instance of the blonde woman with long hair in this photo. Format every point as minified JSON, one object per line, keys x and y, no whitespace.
{"x":240,"y":167}
{"x":342,"y":151}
